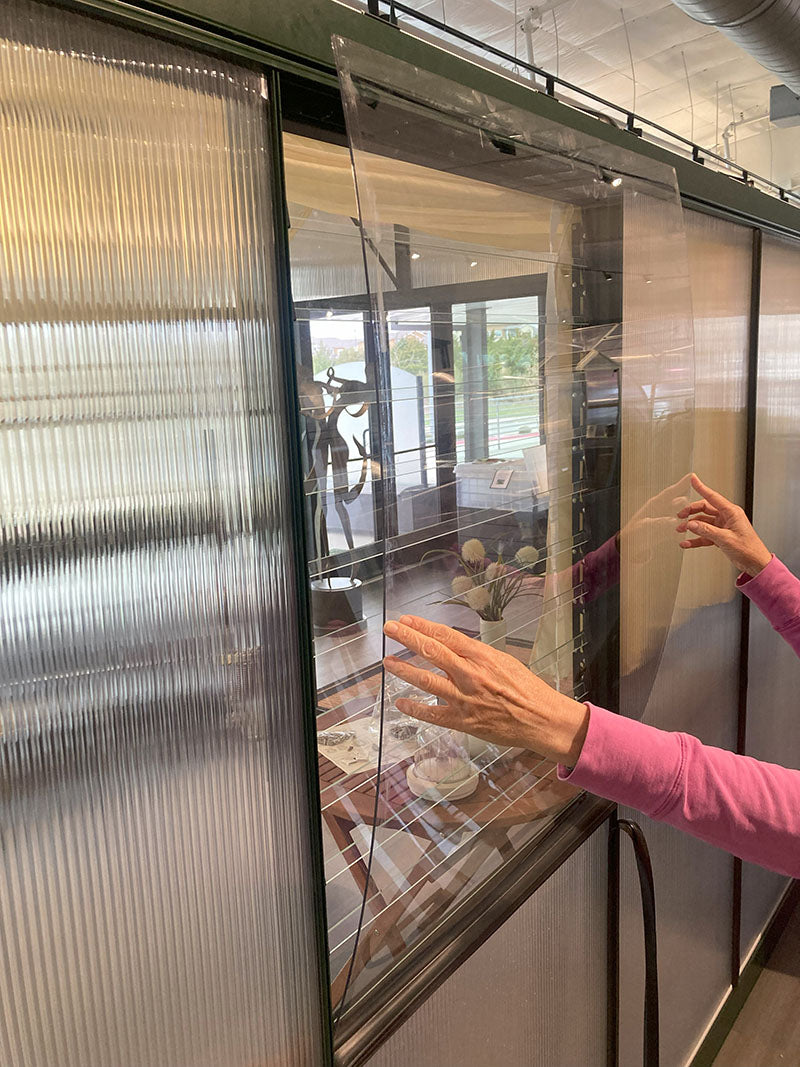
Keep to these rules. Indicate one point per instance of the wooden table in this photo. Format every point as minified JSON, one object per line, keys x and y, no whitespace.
{"x":513,"y":789}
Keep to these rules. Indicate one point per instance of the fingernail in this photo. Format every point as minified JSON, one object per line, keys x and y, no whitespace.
{"x":390,"y":628}
{"x":406,"y":620}
{"x":693,"y":526}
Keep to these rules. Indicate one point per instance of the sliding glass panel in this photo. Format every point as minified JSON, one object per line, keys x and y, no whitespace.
{"x":496,"y":362}
{"x":773,"y":730}
{"x":156,"y":896}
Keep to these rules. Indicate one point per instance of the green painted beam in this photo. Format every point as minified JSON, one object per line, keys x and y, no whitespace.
{"x":297,"y":36}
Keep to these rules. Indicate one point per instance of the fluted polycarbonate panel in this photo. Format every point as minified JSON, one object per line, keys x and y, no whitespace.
{"x":155,"y":876}
{"x":493,"y":357}
{"x":697,"y":687}
{"x":773,"y":726}
{"x":534,"y":994}
{"x":657,"y":431}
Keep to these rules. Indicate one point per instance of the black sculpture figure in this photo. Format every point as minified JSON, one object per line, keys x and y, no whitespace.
{"x":327,"y":445}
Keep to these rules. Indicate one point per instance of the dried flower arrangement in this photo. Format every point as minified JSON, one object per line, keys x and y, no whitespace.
{"x":488,"y":586}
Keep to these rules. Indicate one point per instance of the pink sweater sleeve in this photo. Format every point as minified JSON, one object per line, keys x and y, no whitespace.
{"x":738,"y":803}
{"x":776,"y":592}
{"x":735,"y":802}
{"x":598,"y":570}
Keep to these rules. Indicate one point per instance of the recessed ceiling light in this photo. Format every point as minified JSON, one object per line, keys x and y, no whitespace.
{"x":474,"y":263}
{"x":415,"y":255}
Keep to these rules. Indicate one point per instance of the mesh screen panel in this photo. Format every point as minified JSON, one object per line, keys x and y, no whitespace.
{"x":533,"y":994}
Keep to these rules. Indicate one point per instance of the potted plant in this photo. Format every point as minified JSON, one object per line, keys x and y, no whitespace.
{"x":487,"y":586}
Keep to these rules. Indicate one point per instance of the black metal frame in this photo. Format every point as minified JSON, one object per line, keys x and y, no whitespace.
{"x":377,"y":1014}
{"x":302,"y":590}
{"x":744,"y":633}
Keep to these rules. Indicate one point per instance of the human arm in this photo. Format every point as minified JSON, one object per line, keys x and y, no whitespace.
{"x":598,"y":570}
{"x":735,"y":802}
{"x":720,"y":523}
{"x":738,"y":803}
{"x":776,"y":591}
{"x":763,"y":578}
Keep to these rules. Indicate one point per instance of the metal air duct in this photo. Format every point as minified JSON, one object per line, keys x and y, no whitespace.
{"x":768,"y":29}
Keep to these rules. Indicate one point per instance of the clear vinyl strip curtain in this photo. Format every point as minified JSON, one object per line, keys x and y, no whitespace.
{"x":529,"y":388}
{"x":155,"y":881}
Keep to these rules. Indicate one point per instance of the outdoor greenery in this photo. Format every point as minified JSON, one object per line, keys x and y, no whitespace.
{"x":325,"y":357}
{"x":410,"y":353}
{"x":511,"y":355}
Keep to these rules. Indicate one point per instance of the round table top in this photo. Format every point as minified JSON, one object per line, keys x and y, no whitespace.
{"x":514,"y":785}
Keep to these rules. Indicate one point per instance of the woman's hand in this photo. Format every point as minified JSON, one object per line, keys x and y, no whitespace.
{"x":486,"y":693}
{"x":719,"y":522}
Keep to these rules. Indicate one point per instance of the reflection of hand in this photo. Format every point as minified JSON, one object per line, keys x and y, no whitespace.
{"x":724,"y":525}
{"x":651,"y":527}
{"x":485,"y":692}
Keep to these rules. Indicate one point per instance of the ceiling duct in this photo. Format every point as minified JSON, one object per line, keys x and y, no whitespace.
{"x":768,"y":29}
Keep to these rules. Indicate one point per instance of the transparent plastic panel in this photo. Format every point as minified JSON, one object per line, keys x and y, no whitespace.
{"x":697,"y":687}
{"x":472,"y":417}
{"x":773,"y":729}
{"x":155,"y":879}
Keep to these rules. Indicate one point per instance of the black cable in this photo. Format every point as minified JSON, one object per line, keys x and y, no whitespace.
{"x":650,"y":1051}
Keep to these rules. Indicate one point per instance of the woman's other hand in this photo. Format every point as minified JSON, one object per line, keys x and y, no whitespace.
{"x":718,"y":522}
{"x":485,"y":692}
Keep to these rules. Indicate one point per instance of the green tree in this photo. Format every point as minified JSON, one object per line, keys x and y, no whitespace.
{"x":410,"y":353}
{"x":325,"y":357}
{"x":512,"y":355}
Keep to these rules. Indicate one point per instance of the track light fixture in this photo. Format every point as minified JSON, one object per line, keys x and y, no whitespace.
{"x":614,"y":180}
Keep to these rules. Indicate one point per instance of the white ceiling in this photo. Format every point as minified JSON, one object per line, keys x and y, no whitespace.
{"x":687,"y":76}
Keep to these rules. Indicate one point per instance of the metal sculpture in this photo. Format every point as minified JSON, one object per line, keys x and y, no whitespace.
{"x":328,"y":447}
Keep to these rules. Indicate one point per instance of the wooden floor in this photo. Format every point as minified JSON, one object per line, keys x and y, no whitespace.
{"x":767,"y":1030}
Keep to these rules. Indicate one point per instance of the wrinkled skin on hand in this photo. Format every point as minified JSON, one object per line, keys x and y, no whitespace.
{"x":721,"y":524}
{"x":485,"y":692}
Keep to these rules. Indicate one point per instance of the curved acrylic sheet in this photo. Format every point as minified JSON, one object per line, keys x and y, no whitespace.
{"x":543,"y":274}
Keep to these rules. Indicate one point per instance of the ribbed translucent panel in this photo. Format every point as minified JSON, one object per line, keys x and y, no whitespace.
{"x":658,"y":379}
{"x":696,"y":689}
{"x":773,"y":726}
{"x":155,"y":880}
{"x":534,"y":994}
